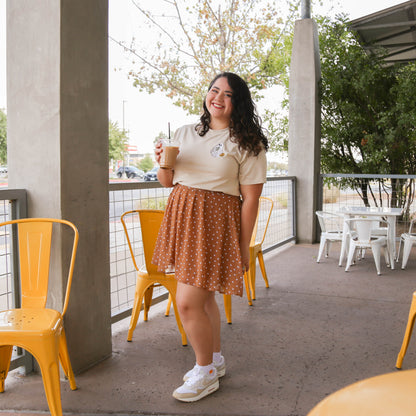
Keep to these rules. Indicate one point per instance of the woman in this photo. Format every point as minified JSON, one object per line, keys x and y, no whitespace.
{"x":205,"y":235}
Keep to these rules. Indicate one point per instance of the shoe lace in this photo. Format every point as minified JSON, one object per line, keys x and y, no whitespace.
{"x":196,"y":376}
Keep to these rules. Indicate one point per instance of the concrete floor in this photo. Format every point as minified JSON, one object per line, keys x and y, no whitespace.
{"x":315,"y":330}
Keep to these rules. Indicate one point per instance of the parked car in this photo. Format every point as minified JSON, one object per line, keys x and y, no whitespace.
{"x":152,"y":174}
{"x":130,"y":171}
{"x":3,"y":169}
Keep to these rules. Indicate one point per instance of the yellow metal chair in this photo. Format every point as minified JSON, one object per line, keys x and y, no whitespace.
{"x":148,"y":276}
{"x":257,"y":238}
{"x":408,"y":332}
{"x":386,"y":394}
{"x":228,"y":303}
{"x":34,"y":327}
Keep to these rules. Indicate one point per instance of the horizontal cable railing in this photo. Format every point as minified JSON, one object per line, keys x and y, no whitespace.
{"x":145,"y":195}
{"x":374,"y":190}
{"x":134,"y":195}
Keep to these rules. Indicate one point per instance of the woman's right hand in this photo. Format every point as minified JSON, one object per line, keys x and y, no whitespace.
{"x":158,"y":151}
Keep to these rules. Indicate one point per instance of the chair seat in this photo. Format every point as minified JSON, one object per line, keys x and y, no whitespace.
{"x":144,"y":274}
{"x":27,"y":321}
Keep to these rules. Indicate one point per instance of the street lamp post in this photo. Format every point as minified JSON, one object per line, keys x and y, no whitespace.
{"x":124,"y":153}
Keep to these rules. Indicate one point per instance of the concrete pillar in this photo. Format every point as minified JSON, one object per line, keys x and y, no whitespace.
{"x":304,"y":125}
{"x":57,"y":91}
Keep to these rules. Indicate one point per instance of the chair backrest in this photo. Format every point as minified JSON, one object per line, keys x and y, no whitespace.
{"x":263,"y":217}
{"x":362,"y":227}
{"x":150,"y":220}
{"x":321,"y":218}
{"x":329,"y":222}
{"x":34,"y":250}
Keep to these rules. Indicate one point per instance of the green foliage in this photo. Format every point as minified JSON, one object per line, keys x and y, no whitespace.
{"x":355,"y":97}
{"x":197,"y":40}
{"x":118,"y":141}
{"x":3,"y":137}
{"x":368,"y":113}
{"x":145,"y":164}
{"x":152,"y":203}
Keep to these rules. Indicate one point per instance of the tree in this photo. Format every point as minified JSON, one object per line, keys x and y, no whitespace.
{"x":368,"y":114}
{"x":145,"y":164}
{"x":3,"y":137}
{"x":197,"y":40}
{"x":118,"y":141}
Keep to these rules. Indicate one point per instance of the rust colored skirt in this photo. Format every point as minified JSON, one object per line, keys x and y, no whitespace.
{"x":199,"y":237}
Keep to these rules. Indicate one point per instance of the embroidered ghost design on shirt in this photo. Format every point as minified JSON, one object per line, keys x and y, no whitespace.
{"x":218,"y":150}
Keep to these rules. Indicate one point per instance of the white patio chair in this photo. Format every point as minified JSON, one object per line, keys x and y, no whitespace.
{"x":331,"y":231}
{"x":378,"y":229}
{"x":409,"y":240}
{"x":360,"y":238}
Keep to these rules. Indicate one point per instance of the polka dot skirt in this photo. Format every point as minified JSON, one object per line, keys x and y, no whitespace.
{"x":199,"y":237}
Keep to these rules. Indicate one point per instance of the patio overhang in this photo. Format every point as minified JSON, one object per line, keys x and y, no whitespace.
{"x":394,"y":29}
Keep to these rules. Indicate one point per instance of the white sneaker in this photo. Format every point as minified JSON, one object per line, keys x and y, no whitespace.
{"x":197,"y":386}
{"x":219,"y":367}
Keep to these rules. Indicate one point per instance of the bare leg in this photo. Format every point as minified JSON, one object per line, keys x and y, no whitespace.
{"x":213,"y":312}
{"x":193,"y":305}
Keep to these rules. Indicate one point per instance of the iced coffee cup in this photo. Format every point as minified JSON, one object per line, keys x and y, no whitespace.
{"x":168,"y":155}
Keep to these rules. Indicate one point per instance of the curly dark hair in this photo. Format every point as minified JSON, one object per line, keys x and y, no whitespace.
{"x":245,"y":125}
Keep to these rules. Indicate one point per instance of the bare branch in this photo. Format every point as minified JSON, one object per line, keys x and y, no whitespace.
{"x":161,"y":28}
{"x":154,"y":67}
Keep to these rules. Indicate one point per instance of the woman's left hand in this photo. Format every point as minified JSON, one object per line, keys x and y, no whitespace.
{"x":245,"y":257}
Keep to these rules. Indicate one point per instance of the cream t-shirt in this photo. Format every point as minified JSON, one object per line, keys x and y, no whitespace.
{"x":213,"y":162}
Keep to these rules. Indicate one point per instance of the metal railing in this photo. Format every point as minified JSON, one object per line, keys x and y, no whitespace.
{"x":134,"y":195}
{"x":124,"y":197}
{"x":340,"y":190}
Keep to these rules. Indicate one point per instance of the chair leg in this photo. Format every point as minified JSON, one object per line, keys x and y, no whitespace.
{"x":168,"y":305}
{"x":171,"y":287}
{"x":321,"y":248}
{"x":248,"y":283}
{"x":376,"y":249}
{"x":398,"y":251}
{"x":5,"y":357}
{"x":407,"y":246}
{"x":49,"y":364}
{"x":387,"y":256}
{"x":138,"y":299}
{"x":251,"y":275}
{"x":148,"y":295}
{"x":408,"y":332}
{"x":263,"y":268}
{"x":65,"y":361}
{"x":228,"y":308}
{"x":328,"y":248}
{"x":351,"y":252}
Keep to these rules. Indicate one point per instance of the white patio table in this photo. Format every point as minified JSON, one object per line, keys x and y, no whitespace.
{"x":390,"y":214}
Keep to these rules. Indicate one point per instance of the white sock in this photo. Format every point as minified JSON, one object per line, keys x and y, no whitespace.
{"x":217,"y":358}
{"x":206,"y":368}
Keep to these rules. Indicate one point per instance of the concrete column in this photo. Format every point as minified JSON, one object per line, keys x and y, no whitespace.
{"x":57,"y":85}
{"x":304,"y":125}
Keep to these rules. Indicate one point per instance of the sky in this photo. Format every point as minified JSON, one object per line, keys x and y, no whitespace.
{"x":144,"y":115}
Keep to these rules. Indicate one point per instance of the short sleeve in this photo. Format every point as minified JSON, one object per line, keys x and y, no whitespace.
{"x":253,"y":169}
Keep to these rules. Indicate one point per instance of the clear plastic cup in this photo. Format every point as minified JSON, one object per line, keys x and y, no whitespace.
{"x":168,"y":155}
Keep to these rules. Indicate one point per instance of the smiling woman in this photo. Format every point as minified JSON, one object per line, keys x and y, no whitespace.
{"x":205,"y":234}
